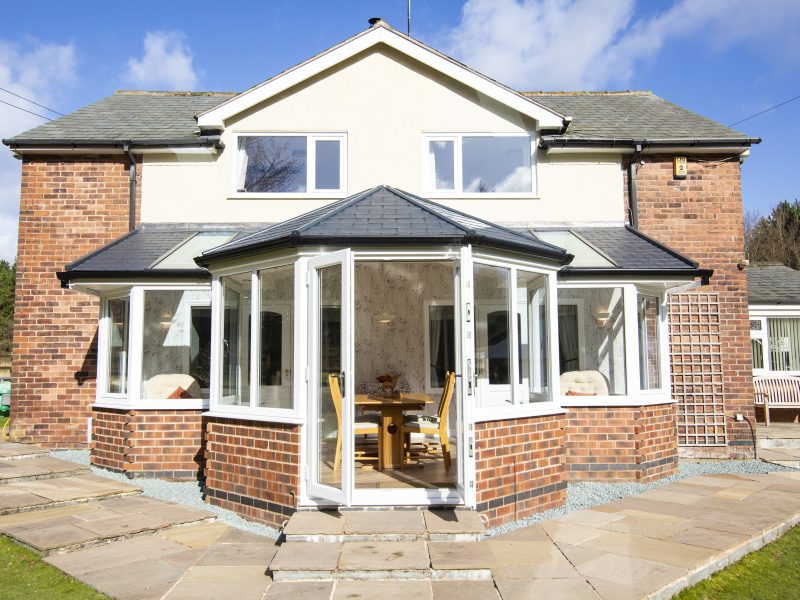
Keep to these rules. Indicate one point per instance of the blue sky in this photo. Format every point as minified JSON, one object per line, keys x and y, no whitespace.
{"x":726,"y":59}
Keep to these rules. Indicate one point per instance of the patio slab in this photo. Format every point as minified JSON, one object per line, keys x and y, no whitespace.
{"x":21,"y":496}
{"x":14,"y":451}
{"x":384,"y":556}
{"x":37,"y":467}
{"x":384,"y":523}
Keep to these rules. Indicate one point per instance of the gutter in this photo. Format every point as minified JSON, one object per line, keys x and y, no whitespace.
{"x":69,"y":143}
{"x":66,"y":277}
{"x":552,"y":141}
{"x":573,"y":272}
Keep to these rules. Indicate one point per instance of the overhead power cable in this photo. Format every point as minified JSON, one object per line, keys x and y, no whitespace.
{"x":32,"y":101}
{"x":766,"y":110}
{"x":25,"y":110}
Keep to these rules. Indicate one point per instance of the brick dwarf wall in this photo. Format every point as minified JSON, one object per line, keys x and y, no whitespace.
{"x":623,"y":443}
{"x":701,"y":217}
{"x":149,"y":443}
{"x":253,"y":468}
{"x":519,"y":467}
{"x":68,"y":208}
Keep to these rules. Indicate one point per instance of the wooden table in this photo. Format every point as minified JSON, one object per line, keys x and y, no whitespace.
{"x":390,"y":438}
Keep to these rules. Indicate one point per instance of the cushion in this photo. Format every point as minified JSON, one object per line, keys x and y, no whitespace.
{"x":574,"y":393}
{"x":162,"y":386}
{"x":179,"y":393}
{"x":591,"y":383}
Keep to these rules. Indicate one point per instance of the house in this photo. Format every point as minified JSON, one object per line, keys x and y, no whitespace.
{"x":257,"y":260}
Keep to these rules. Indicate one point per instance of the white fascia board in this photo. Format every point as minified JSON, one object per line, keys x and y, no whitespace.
{"x":84,"y":150}
{"x":774,"y":310}
{"x":216,"y":117}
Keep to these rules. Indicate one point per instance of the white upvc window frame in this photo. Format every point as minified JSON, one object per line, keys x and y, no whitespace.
{"x":634,"y":395}
{"x":764,"y":313}
{"x":250,"y":410}
{"x":132,"y":398}
{"x":311,"y":152}
{"x":520,"y":406}
{"x":430,"y":190}
{"x":764,"y":338}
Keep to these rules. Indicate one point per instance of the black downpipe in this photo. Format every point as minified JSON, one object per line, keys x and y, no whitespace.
{"x":132,"y":186}
{"x":633,"y":208}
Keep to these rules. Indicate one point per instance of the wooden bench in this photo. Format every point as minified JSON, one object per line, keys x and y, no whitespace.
{"x":776,"y":391}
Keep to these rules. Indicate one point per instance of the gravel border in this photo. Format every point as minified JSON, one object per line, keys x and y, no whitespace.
{"x":579,"y":495}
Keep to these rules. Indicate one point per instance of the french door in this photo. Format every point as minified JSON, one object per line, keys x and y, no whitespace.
{"x":329,"y":464}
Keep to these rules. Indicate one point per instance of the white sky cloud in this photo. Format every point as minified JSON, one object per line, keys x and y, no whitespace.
{"x":40,"y":72}
{"x":165,"y":64}
{"x":587,"y":44}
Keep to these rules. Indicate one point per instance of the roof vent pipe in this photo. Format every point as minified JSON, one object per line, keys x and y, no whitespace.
{"x":374,"y":21}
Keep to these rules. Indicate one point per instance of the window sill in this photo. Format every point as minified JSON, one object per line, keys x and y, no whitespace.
{"x":249,"y":415}
{"x":333,"y":195}
{"x":517,"y":411}
{"x":492,"y":195}
{"x":177,"y":404}
{"x":598,"y":401}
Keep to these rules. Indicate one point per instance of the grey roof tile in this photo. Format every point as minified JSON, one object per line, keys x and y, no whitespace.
{"x":629,"y":249}
{"x":773,"y":284}
{"x":630,"y":115}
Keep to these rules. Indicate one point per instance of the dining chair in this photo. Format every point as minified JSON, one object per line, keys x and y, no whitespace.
{"x":437,"y":425}
{"x":361,"y":426}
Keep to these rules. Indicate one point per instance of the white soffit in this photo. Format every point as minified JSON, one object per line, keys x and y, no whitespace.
{"x":379,"y":34}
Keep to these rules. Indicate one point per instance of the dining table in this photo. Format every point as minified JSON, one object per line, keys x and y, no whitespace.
{"x":392,"y":416}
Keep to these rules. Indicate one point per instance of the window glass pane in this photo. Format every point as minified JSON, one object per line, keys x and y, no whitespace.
{"x":496,"y":164}
{"x":277,"y":330}
{"x":591,"y":333}
{"x":441,"y":154}
{"x":784,"y":343}
{"x":117,"y":346}
{"x":236,"y":341}
{"x":492,"y":339}
{"x":441,"y":343}
{"x":171,"y":345}
{"x":532,"y":331}
{"x":757,"y":346}
{"x":272,"y":163}
{"x":649,"y":369}
{"x":327,"y":165}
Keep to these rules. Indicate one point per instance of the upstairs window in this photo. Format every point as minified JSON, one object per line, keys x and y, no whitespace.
{"x":479,"y":164}
{"x":290,"y":164}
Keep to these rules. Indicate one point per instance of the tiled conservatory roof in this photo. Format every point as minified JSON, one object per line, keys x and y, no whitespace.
{"x":385,"y":215}
{"x":773,"y":284}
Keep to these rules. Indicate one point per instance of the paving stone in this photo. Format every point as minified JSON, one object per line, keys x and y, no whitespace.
{"x":570,"y":533}
{"x":709,"y":538}
{"x":306,"y":556}
{"x":227,"y":574}
{"x":383,"y":556}
{"x":217,"y":591}
{"x":14,"y":450}
{"x":590,"y":518}
{"x":43,"y":515}
{"x":47,"y":536}
{"x":534,"y":533}
{"x":551,"y":589}
{"x":239,"y":554}
{"x":238,"y":536}
{"x":38,"y":466}
{"x":452,"y":522}
{"x":529,"y":560}
{"x":385,"y":590}
{"x":99,"y":558}
{"x":179,"y":515}
{"x":315,"y":522}
{"x":464,"y":590}
{"x":21,"y":500}
{"x":136,"y":581}
{"x":384,"y":522}
{"x":300,"y":590}
{"x":121,"y":525}
{"x":670,"y":553}
{"x":202,"y":535}
{"x":648,"y":524}
{"x":461,"y":555}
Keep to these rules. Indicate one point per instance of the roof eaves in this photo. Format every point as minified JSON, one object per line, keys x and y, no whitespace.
{"x":55,"y":143}
{"x":548,"y":141}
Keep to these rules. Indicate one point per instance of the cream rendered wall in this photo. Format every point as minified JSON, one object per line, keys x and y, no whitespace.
{"x":384,"y":102}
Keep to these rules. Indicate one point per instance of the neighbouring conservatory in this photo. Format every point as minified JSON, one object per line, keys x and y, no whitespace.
{"x":384,"y":350}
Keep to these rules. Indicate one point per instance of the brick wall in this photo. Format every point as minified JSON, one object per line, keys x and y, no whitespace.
{"x":519,"y":466}
{"x":624,"y":443}
{"x":701,"y":216}
{"x":68,"y":208}
{"x":253,"y":468}
{"x":149,"y":443}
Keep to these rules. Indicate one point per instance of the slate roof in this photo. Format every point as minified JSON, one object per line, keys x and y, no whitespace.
{"x":773,"y":284}
{"x":159,"y":117}
{"x":630,"y":115}
{"x":385,"y":215}
{"x":140,"y":117}
{"x":139,"y":250}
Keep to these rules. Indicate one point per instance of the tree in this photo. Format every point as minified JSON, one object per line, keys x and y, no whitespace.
{"x":776,"y":237}
{"x":8,"y":276}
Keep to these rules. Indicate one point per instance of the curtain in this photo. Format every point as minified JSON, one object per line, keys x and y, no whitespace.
{"x":242,"y":172}
{"x":784,"y":344}
{"x":568,"y":337}
{"x":436,"y":327}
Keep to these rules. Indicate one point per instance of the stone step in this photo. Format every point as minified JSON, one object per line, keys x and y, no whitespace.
{"x":14,"y":451}
{"x":37,"y":467}
{"x":384,"y":525}
{"x":93,"y":523}
{"x":777,"y":443}
{"x":24,"y":496}
{"x":379,"y":561}
{"x":787,"y":457}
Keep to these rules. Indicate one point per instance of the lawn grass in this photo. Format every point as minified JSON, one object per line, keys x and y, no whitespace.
{"x":24,"y":575}
{"x":770,"y":573}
